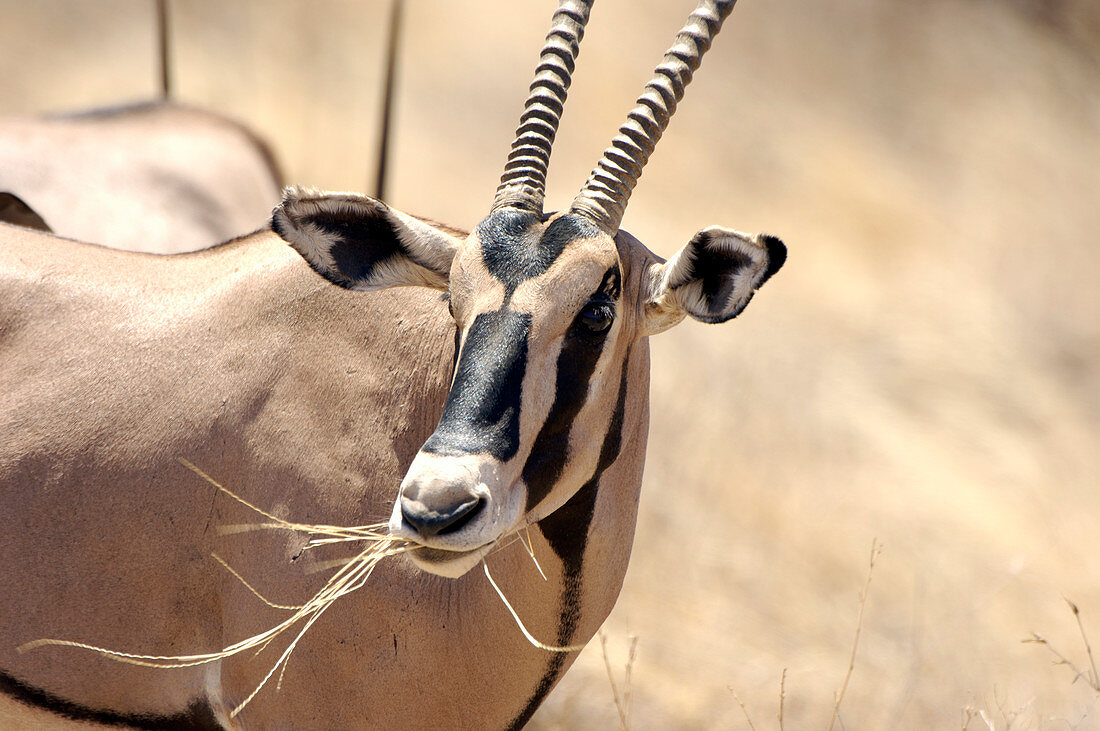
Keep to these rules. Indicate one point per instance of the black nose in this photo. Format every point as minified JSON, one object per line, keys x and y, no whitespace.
{"x":439,"y":520}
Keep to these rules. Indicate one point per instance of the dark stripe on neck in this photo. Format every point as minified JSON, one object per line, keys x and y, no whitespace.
{"x":198,"y":716}
{"x":566,"y":530}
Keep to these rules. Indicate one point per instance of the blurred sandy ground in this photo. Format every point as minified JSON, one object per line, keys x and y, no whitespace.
{"x":923,"y":370}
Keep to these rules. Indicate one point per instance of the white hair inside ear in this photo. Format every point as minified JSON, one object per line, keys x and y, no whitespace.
{"x":711,"y":279}
{"x":361,"y":243}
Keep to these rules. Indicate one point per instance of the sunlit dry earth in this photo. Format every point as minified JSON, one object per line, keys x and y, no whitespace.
{"x":924,"y":370}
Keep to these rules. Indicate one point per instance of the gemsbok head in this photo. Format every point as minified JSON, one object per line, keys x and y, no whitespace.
{"x":492,"y":401}
{"x":548,"y":307}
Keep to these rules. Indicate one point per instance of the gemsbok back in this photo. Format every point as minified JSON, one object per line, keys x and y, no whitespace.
{"x":477,"y":391}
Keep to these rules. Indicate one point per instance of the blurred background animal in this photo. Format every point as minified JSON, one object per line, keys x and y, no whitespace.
{"x":157,"y":176}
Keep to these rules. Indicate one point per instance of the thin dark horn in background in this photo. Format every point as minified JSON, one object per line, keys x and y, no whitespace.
{"x":603,"y":198}
{"x":392,"y":44}
{"x":523,"y":184}
{"x":163,"y":49}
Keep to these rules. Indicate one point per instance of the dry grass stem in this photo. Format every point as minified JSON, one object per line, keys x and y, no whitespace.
{"x":622,"y":700}
{"x":628,"y":688}
{"x":530,"y":548}
{"x":782,"y":695}
{"x":748,"y":718}
{"x":875,"y":551}
{"x":521,"y":625}
{"x":261,"y":597}
{"x":1092,"y":679}
{"x":350,"y":577}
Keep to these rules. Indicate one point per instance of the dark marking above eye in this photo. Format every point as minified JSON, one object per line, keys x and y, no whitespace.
{"x":601,"y":306}
{"x":612,"y":283}
{"x":514,"y":251}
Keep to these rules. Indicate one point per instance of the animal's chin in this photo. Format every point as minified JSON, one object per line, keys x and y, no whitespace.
{"x":449,"y":564}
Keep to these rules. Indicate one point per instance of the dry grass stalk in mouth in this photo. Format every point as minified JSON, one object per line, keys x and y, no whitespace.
{"x":351,"y":575}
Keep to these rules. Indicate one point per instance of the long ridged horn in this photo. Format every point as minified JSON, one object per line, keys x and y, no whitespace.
{"x":603,"y":198}
{"x":523,"y":184}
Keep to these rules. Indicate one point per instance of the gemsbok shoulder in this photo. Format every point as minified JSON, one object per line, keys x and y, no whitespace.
{"x":483,"y":394}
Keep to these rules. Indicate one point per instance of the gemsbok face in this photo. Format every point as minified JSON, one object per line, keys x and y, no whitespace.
{"x":546,"y":308}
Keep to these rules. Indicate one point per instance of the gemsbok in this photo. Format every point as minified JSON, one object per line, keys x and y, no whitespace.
{"x":473,"y":390}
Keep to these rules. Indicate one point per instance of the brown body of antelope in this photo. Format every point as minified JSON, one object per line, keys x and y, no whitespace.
{"x":466,"y":388}
{"x":158,"y":177}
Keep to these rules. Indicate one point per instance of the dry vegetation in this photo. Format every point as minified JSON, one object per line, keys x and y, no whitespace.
{"x":923,"y":370}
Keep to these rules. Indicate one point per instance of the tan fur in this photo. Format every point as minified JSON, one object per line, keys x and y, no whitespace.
{"x":159,"y":177}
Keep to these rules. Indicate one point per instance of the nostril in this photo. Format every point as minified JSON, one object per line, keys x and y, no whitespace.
{"x":438,"y":522}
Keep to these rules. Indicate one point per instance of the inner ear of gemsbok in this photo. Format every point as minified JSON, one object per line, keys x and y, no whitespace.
{"x":532,"y":444}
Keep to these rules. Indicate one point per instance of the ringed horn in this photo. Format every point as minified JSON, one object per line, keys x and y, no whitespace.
{"x":603,"y":198}
{"x":523,"y":184}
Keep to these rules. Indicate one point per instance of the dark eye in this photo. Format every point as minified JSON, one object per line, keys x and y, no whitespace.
{"x":597,"y":317}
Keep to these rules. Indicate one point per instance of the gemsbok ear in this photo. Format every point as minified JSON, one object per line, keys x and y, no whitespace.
{"x":711,"y":279}
{"x":361,"y":243}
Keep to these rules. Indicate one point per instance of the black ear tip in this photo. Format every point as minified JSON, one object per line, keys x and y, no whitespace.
{"x":777,"y":255}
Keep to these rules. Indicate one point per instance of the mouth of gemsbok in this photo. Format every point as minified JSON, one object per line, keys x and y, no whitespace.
{"x":447,"y":563}
{"x":453,"y":511}
{"x":452,"y":554}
